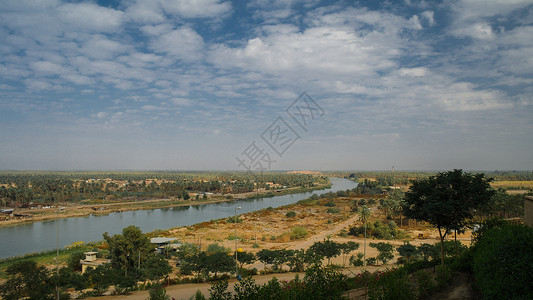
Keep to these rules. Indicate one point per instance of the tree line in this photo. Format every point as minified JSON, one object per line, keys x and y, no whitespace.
{"x":21,"y":188}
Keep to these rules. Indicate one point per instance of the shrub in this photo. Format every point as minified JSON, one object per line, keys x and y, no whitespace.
{"x":502,"y":262}
{"x":391,"y":285}
{"x":290,"y":214}
{"x":444,"y":275}
{"x":233,"y":219}
{"x":74,"y":260}
{"x":357,"y":261}
{"x":330,"y":204}
{"x":298,"y":233}
{"x":425,"y":284}
{"x":379,"y":230}
{"x":333,"y":210}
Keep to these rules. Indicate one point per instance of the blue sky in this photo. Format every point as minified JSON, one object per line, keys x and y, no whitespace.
{"x":161,"y":84}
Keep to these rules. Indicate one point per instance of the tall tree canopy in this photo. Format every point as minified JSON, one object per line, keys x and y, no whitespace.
{"x":129,"y":249}
{"x":447,"y":200}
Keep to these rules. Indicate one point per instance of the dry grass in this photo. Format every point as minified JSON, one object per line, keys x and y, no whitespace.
{"x":524,"y":185}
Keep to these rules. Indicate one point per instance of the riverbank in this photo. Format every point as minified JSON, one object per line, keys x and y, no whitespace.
{"x":72,"y":210}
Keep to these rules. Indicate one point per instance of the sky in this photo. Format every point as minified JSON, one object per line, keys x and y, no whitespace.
{"x":266,"y":85}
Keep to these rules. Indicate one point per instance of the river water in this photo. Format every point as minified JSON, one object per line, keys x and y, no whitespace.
{"x":38,"y":236}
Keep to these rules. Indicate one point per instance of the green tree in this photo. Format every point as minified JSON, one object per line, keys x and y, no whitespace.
{"x":327,"y":249}
{"x":213,"y":248}
{"x":27,"y":280}
{"x":447,"y":200}
{"x":73,"y":261}
{"x":158,"y":292}
{"x":384,"y":251}
{"x":217,"y":262}
{"x":245,"y":258}
{"x":502,"y":262}
{"x":101,"y":278}
{"x":407,"y":250}
{"x":347,"y":248}
{"x":129,"y":249}
{"x":156,"y":267}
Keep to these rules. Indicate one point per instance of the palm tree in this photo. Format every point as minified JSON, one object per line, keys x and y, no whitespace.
{"x":364,"y":214}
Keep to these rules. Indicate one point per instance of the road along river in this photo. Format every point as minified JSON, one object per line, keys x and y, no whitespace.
{"x":20,"y":239}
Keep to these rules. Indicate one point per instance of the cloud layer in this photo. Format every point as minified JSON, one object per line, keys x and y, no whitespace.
{"x":189,"y":84}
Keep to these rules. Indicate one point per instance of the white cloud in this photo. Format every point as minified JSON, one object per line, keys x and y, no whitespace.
{"x":90,"y":16}
{"x":481,"y":31}
{"x":429,"y":16}
{"x":463,"y":97}
{"x":417,"y":72}
{"x":183,"y":43}
{"x":196,"y":8}
{"x":181,"y":101}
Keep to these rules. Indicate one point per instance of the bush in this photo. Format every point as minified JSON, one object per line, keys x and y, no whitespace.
{"x":379,"y":230}
{"x":330,"y":204}
{"x":391,"y":285}
{"x":290,"y":214}
{"x":502,"y":262}
{"x":157,"y":292}
{"x":444,"y":275}
{"x":73,"y":261}
{"x":333,"y":210}
{"x":357,"y":261}
{"x":425,"y":284}
{"x":298,"y":233}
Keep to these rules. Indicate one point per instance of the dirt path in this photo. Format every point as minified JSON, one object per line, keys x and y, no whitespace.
{"x":186,"y":291}
{"x":321,"y":236}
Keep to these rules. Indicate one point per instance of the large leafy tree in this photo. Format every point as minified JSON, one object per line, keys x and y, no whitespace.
{"x":129,"y":249}
{"x":447,"y":200}
{"x":27,"y":280}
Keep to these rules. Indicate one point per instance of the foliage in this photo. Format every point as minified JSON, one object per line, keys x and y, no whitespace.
{"x":385,"y":251}
{"x":298,"y":232}
{"x":318,"y":283}
{"x":276,"y":258}
{"x":330,"y":204}
{"x":101,"y":278}
{"x":327,"y":249}
{"x":27,"y":279}
{"x":156,"y":267}
{"x":333,"y":210}
{"x":357,"y":260}
{"x":503,"y":205}
{"x":234,"y":219}
{"x":128,"y":249}
{"x":73,"y":261}
{"x":158,"y":292}
{"x":502,"y":262}
{"x":245,"y":258}
{"x":213,"y":248}
{"x":447,"y":200}
{"x":198,"y":296}
{"x":444,"y":275}
{"x":425,"y":284}
{"x":379,"y":230}
{"x":23,"y":187}
{"x":347,"y":248}
{"x":390,"y":285}
{"x":290,"y":214}
{"x":428,"y":251}
{"x":407,"y":250}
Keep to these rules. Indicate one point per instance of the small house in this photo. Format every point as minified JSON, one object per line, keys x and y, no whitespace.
{"x":91,"y":261}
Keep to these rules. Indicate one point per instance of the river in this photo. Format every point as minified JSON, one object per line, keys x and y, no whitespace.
{"x":39,"y":236}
